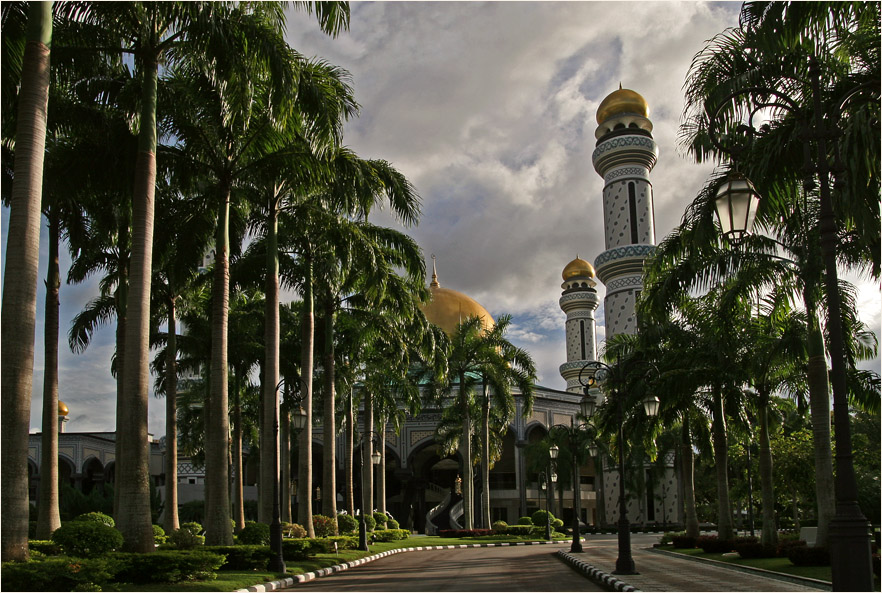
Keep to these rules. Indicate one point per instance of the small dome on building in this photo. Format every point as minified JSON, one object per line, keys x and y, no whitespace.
{"x":578,"y":267}
{"x":448,"y":308}
{"x":622,"y":101}
{"x":62,"y":408}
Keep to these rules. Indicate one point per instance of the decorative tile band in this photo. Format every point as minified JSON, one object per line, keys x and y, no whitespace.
{"x":627,"y":172}
{"x":622,"y":141}
{"x":640,"y":250}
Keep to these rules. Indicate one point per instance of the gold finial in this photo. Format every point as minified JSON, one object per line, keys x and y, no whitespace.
{"x":434,"y":283}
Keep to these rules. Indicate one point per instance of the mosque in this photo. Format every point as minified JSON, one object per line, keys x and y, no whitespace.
{"x":421,"y":482}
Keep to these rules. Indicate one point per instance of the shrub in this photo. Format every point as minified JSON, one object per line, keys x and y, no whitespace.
{"x":711,"y":544}
{"x":754,"y":550}
{"x":684,"y":541}
{"x":519,"y":530}
{"x":44,"y":546}
{"x":293,"y":530}
{"x":392,"y":524}
{"x":59,"y":573}
{"x":346,"y":524}
{"x":369,"y":522}
{"x":525,"y":521}
{"x":389,"y":535}
{"x":786,"y":542}
{"x":538,"y":518}
{"x":499,"y":526}
{"x":159,"y":537}
{"x":242,"y":557}
{"x":97,"y":518}
{"x":185,"y":539}
{"x":192,"y":526}
{"x":557,"y":524}
{"x":170,"y":566}
{"x":87,"y":539}
{"x":254,"y":534}
{"x":302,"y":548}
{"x":381,"y":519}
{"x":324,"y":526}
{"x":806,"y":556}
{"x":668,"y":536}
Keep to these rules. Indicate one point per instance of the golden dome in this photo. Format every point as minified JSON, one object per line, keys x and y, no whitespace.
{"x":62,"y":408}
{"x":622,"y":101}
{"x":449,"y":307}
{"x":578,"y":267}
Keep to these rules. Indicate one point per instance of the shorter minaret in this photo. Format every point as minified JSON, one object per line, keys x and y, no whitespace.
{"x":579,"y":301}
{"x":63,"y":412}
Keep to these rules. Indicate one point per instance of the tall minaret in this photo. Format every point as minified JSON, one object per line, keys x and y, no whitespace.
{"x":624,"y":156}
{"x":579,"y":301}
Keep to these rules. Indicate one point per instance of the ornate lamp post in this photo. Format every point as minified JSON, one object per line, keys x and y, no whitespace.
{"x":602,"y":372}
{"x":375,"y":459}
{"x":850,"y":555}
{"x":298,"y":422}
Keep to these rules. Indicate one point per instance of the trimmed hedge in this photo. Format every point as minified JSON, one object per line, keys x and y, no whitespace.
{"x":538,"y":518}
{"x":684,"y":541}
{"x":170,"y":566}
{"x":519,"y":530}
{"x":381,"y":519}
{"x":392,"y":524}
{"x":87,"y":539}
{"x":525,"y":521}
{"x":97,"y":518}
{"x":465,"y":532}
{"x":787,"y":544}
{"x":711,"y":544}
{"x":44,"y":546}
{"x":806,"y":556}
{"x":185,"y":539}
{"x":293,"y":530}
{"x":243,"y":557}
{"x":389,"y":535}
{"x":58,"y":573}
{"x":499,"y":526}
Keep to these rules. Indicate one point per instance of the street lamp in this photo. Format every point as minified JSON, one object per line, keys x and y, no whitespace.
{"x":375,"y":459}
{"x":602,"y":372}
{"x":850,"y":554}
{"x":298,"y":421}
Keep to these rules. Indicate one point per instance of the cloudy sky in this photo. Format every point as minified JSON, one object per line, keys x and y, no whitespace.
{"x":489,"y":110}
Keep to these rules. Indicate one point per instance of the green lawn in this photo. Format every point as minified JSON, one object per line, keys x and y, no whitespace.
{"x":229,"y":580}
{"x":783,"y":565}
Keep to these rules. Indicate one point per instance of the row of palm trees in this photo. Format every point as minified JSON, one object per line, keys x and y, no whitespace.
{"x":175,"y":128}
{"x":736,"y":329}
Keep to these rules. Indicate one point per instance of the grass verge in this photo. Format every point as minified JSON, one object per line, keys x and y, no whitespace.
{"x":231,"y":580}
{"x":782,"y":565}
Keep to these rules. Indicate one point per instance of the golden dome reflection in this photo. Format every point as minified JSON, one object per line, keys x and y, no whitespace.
{"x":578,"y":267}
{"x":62,"y":408}
{"x":622,"y":101}
{"x":450,"y":307}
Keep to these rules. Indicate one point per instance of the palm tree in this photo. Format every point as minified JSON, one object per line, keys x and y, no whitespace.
{"x":20,"y":294}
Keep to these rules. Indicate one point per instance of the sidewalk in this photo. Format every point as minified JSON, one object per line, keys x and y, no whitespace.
{"x":661,"y":571}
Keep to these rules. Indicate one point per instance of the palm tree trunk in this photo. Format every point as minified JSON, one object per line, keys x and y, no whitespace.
{"x":381,"y":467}
{"x":217,"y":447}
{"x":819,"y":402}
{"x":770,"y":531}
{"x":238,"y":481}
{"x":170,"y":518}
{"x":304,"y":475}
{"x":19,"y":308}
{"x":721,"y":462}
{"x":48,"y":517}
{"x":466,"y":451}
{"x":121,"y":297}
{"x":687,"y":471}
{"x":269,"y":440}
{"x":485,"y":460}
{"x":350,"y":452}
{"x":329,"y":435}
{"x":132,"y":464}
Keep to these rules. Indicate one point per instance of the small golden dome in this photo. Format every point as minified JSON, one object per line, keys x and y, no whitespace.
{"x":578,"y":267}
{"x":62,"y":408}
{"x":448,"y":308}
{"x":622,"y":101}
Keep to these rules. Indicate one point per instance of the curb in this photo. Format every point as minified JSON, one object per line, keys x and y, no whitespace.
{"x":324,"y":572}
{"x":779,"y":576}
{"x":595,"y":574}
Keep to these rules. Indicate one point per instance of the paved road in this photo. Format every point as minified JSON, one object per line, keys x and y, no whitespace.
{"x":520,"y":568}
